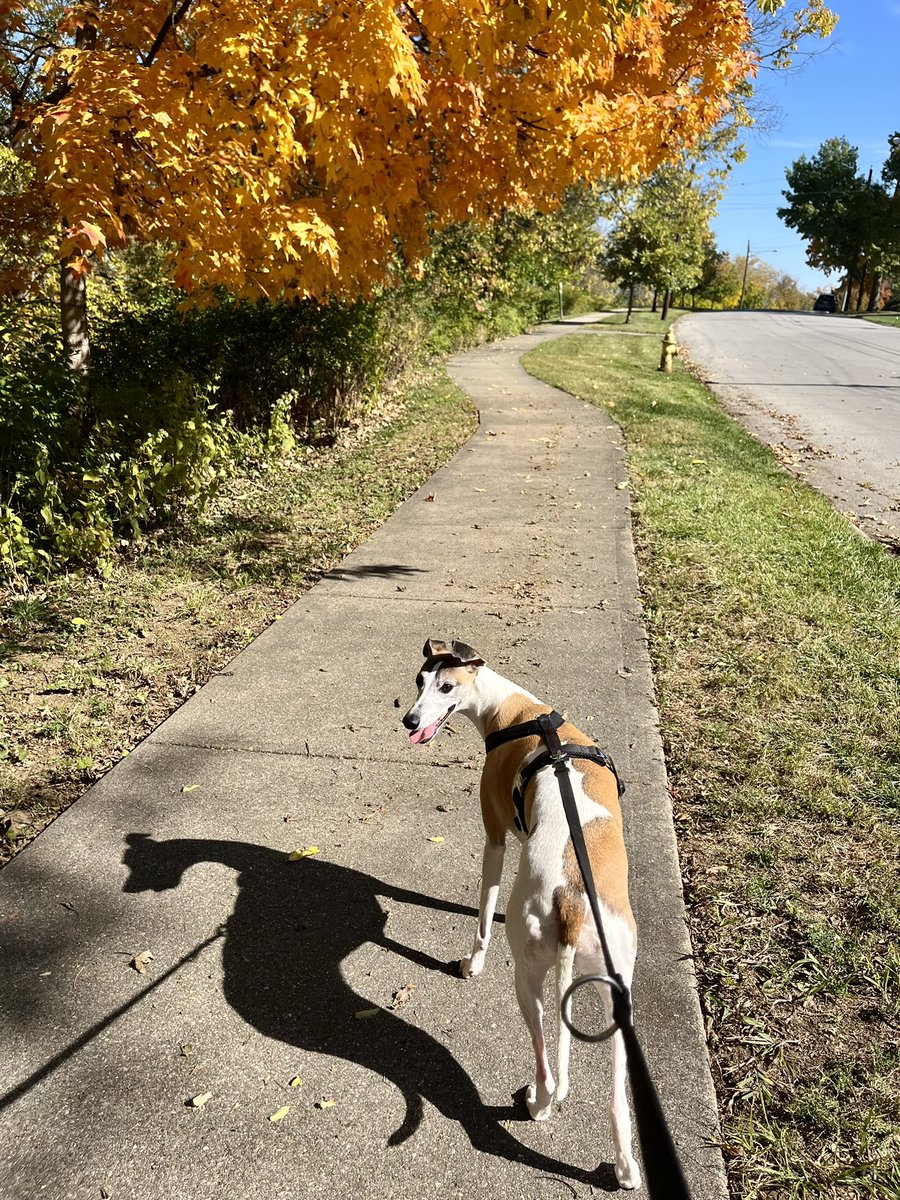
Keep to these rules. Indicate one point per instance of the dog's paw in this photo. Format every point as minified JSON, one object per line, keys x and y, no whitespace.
{"x":472,"y":965}
{"x":539,"y":1106}
{"x":627,"y":1172}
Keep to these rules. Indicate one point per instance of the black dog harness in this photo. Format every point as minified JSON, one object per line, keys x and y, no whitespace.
{"x":546,"y":758}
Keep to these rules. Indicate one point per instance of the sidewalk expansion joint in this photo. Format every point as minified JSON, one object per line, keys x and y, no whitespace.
{"x":310,"y":755}
{"x":512,"y":605}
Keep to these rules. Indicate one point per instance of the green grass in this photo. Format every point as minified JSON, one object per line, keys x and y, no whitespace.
{"x":775,"y":633}
{"x":891,"y":319}
{"x":643,"y":321}
{"x":88,"y":666}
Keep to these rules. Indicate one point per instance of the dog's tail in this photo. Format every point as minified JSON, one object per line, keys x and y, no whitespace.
{"x":565,"y":966}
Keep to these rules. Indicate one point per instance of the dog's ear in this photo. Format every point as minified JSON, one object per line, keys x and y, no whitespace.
{"x":466,"y":655}
{"x":433,"y":648}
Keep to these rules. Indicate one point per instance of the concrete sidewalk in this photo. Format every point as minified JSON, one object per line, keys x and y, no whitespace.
{"x":522,"y":547}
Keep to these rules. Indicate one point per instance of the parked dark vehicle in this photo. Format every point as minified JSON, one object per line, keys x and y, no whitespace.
{"x":825,"y":303}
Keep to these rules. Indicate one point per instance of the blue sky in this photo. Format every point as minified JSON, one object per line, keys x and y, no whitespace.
{"x":852,"y":91}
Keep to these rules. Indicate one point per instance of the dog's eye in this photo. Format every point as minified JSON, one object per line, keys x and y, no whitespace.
{"x":446,"y":687}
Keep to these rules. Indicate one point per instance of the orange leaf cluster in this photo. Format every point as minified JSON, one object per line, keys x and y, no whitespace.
{"x":293,"y":147}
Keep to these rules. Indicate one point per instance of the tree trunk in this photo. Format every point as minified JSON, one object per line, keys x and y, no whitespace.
{"x":72,"y":284}
{"x":862,"y":287}
{"x":875,"y":292}
{"x":630,"y":302}
{"x":667,"y":297}
{"x":73,"y":311}
{"x":655,"y":298}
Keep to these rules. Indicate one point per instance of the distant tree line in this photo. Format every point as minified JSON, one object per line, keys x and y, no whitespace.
{"x":660,"y":243}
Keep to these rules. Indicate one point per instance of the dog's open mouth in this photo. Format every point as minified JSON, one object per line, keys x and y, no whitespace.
{"x":421,"y":737}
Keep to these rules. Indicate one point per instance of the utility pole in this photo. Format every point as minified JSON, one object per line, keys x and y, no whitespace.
{"x":744,"y":280}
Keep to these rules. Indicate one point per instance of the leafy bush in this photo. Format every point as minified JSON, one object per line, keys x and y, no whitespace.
{"x":177,"y":399}
{"x":81,"y":469}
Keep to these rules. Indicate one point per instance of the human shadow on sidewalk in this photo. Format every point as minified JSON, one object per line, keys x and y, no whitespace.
{"x":293,"y":925}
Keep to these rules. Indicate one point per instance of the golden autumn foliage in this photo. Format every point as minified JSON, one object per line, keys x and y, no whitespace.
{"x":295,"y":147}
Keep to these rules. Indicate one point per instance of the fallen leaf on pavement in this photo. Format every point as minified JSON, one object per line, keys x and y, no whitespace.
{"x":435,"y":839}
{"x":325,"y":1103}
{"x":364,"y":1013}
{"x":295,"y":1082}
{"x":280,"y":1114}
{"x":199,"y":1101}
{"x":302,"y":852}
{"x":141,"y":961}
{"x":401,"y":996}
{"x":189,"y":787}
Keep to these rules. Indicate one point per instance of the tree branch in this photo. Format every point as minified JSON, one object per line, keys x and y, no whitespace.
{"x":171,"y":21}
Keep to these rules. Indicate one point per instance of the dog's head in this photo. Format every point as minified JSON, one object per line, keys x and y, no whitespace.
{"x":445,"y":682}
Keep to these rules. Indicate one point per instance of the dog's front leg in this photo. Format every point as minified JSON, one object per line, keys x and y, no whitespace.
{"x":491,"y":871}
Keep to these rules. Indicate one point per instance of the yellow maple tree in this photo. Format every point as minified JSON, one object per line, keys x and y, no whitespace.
{"x":294,"y":148}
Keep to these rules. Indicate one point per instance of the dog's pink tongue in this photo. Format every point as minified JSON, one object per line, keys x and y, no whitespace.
{"x":424,"y":735}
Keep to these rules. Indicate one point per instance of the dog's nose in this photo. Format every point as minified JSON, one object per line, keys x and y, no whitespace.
{"x":411,"y":722}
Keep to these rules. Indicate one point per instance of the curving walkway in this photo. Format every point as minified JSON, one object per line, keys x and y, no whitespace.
{"x":520,"y":546}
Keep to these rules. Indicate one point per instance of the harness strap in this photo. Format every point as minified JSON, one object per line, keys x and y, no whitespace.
{"x":527,"y":729}
{"x":544,"y":759}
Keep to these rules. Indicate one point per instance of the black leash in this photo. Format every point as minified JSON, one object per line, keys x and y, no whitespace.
{"x":664,"y":1177}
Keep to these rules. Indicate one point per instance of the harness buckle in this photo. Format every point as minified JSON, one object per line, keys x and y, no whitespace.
{"x":551,"y":739}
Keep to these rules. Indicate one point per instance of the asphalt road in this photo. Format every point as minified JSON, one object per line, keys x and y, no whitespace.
{"x":822,"y":390}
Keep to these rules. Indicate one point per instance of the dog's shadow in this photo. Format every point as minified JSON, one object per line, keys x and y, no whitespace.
{"x":293,"y":925}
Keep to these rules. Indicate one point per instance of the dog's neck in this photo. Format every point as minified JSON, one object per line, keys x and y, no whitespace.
{"x":491,"y":697}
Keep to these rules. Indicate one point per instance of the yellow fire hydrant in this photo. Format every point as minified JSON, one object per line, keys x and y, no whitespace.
{"x":669,"y":350}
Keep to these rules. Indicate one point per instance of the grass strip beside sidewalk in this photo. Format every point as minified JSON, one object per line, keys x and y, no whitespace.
{"x":775,"y":633}
{"x":89,"y":666}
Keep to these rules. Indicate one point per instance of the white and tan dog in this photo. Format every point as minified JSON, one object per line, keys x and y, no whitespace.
{"x":548,"y":919}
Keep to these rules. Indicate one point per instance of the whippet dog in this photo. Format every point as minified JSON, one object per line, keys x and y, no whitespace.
{"x":548,"y":919}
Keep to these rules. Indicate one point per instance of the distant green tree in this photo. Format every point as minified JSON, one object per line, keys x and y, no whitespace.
{"x":661,"y":237}
{"x":847,"y":221}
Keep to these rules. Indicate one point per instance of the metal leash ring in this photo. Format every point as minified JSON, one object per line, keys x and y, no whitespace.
{"x":566,"y":1007}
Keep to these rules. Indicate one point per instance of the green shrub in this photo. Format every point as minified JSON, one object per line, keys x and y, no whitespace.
{"x":177,"y":399}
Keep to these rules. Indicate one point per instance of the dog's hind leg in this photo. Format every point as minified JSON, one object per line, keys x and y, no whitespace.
{"x":627,"y":1171}
{"x":491,"y":872}
{"x":565,"y":961}
{"x":531,"y":971}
